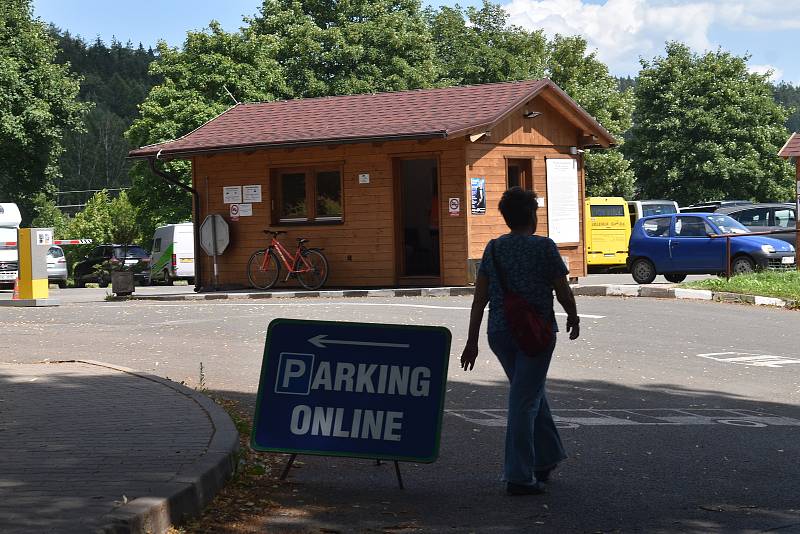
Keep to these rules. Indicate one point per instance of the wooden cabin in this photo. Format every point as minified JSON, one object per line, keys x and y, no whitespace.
{"x":401,"y":188}
{"x":791,"y":150}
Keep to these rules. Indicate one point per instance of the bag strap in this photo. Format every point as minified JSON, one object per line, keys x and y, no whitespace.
{"x":501,"y":274}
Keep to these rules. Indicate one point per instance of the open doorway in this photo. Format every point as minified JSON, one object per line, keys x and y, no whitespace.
{"x":418,"y":247}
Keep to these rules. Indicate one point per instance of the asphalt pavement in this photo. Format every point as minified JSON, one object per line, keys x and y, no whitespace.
{"x":677,"y":416}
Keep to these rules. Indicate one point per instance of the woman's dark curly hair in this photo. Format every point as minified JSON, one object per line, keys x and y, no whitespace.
{"x":518,"y":207}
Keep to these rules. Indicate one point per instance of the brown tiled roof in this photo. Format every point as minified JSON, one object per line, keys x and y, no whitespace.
{"x":419,"y":114}
{"x":792,"y":146}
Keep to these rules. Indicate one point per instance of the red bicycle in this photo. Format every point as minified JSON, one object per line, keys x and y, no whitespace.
{"x":308,"y":265}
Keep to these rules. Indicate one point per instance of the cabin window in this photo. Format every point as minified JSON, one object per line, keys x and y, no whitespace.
{"x":518,"y":174}
{"x":307,"y":195}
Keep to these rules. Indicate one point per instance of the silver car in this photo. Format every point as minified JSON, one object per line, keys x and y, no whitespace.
{"x":57,"y":266}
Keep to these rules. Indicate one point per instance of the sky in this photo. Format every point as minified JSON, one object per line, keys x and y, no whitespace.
{"x":621,"y":31}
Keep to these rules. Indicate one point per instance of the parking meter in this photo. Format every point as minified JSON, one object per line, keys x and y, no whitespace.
{"x":32,"y":246}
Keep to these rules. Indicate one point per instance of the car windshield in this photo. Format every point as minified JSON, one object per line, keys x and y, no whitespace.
{"x":727,"y":225}
{"x":658,"y":209}
{"x":133,"y":252}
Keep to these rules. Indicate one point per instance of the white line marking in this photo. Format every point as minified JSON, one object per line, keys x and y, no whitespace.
{"x":749,"y":359}
{"x":496,"y":417}
{"x":315,"y":304}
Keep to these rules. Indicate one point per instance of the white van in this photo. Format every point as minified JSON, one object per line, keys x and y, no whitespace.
{"x":644,"y":208}
{"x":172,"y":255}
{"x":10,"y":219}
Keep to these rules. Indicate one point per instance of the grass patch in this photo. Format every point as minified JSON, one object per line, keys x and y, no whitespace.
{"x":781,"y":284}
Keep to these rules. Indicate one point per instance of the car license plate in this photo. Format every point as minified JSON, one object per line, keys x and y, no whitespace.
{"x":8,"y":275}
{"x":787,"y":260}
{"x":131,"y":262}
{"x":187,"y":260}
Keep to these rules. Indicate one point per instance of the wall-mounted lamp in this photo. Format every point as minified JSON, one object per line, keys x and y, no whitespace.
{"x":531,"y":114}
{"x":573,"y":150}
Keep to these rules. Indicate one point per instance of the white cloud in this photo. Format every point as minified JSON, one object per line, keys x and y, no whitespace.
{"x":776,"y":73}
{"x":623,"y":30}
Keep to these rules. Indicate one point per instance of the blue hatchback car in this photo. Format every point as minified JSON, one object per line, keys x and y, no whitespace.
{"x":677,"y":245}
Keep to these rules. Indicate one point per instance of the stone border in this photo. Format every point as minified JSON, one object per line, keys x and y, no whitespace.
{"x":681,"y":293}
{"x":193,"y":487}
{"x":599,"y":290}
{"x":243,"y":295}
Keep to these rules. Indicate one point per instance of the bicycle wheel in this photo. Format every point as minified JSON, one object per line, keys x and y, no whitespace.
{"x":317,"y":273}
{"x":263,"y":269}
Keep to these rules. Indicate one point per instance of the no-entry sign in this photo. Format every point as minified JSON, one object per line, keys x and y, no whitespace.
{"x":352,"y":389}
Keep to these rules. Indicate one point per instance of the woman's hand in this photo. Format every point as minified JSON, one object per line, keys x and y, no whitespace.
{"x":573,"y":326}
{"x":469,"y":356}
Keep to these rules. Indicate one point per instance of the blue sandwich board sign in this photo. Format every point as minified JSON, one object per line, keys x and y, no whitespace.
{"x":352,"y":389}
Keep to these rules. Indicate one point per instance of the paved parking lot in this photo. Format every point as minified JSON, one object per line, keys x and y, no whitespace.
{"x":678,"y":416}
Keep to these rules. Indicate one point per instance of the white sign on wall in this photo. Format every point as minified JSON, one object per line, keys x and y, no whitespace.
{"x":251,"y":193}
{"x":363,"y":178}
{"x":563,"y":214}
{"x":245,"y":210}
{"x":44,"y":237}
{"x":232,"y":194}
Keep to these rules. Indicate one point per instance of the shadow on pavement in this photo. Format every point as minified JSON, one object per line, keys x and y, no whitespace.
{"x":661,"y":458}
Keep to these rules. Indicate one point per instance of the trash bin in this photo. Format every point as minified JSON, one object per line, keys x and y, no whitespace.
{"x":122,"y":283}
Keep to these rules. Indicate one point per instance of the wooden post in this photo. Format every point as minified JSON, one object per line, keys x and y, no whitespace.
{"x":728,"y":257}
{"x":797,"y":214}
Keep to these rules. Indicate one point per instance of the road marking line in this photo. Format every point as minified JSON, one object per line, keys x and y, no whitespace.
{"x":751,"y":360}
{"x":496,"y":417}
{"x":318,"y":304}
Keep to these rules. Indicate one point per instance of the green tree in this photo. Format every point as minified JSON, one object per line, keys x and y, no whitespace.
{"x":49,"y":216}
{"x":788,"y":95}
{"x":477,"y":45}
{"x":104,"y":220}
{"x":194,"y":89}
{"x":587,"y":80}
{"x":38,"y":103}
{"x":705,"y":128}
{"x":344,"y":47}
{"x":116,"y":81}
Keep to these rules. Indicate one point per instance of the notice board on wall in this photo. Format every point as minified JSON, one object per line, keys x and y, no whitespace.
{"x":564,"y":210}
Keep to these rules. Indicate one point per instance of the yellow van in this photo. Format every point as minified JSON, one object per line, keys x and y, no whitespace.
{"x":608,"y":229}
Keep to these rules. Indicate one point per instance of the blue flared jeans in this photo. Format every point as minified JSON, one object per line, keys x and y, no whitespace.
{"x":532,"y":439}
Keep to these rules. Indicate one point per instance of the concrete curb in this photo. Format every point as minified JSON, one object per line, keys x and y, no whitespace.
{"x":344,"y":293}
{"x":193,"y":487}
{"x":670,"y":292}
{"x":599,"y":290}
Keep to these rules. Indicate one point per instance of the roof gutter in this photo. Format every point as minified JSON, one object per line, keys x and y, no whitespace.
{"x":439,"y":134}
{"x":198,"y":265}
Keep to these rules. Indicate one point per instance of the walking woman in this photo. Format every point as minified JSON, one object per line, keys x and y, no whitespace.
{"x":532,"y":268}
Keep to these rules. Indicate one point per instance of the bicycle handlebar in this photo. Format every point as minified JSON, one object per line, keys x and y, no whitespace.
{"x":274,"y":232}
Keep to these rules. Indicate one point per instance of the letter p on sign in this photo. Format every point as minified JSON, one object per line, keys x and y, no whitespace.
{"x":294,"y":373}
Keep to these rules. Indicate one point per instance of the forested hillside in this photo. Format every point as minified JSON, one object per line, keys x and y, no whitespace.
{"x":115,"y":81}
{"x":789,"y":95}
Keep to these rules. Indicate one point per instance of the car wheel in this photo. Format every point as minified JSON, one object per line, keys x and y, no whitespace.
{"x":675,"y":278}
{"x":80,"y":282}
{"x":167,"y":278}
{"x":102,"y":282}
{"x":643,"y":271}
{"x":742,"y":265}
{"x":62,"y":284}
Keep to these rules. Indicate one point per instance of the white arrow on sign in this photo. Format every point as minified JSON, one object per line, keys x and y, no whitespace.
{"x":322,"y":340}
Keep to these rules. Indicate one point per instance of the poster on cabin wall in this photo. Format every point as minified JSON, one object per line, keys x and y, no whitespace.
{"x":563,"y":212}
{"x":478,"y":195}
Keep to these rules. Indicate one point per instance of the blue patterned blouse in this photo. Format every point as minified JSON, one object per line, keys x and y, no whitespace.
{"x":531,"y":264}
